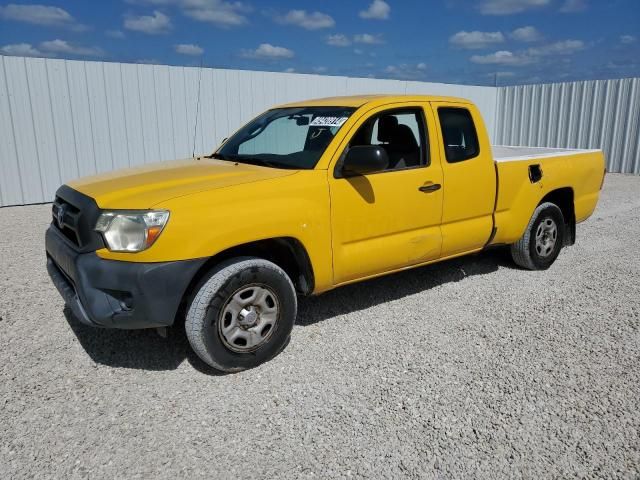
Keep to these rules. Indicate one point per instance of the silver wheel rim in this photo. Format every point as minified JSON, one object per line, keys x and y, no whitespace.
{"x":249,"y":318}
{"x":546,"y":237}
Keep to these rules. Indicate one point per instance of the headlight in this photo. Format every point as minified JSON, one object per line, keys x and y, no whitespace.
{"x":131,"y":231}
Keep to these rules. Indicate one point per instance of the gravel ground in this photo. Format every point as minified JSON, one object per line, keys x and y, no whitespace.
{"x":471,"y":368}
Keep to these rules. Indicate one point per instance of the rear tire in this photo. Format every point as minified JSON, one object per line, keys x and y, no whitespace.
{"x":242,"y":315}
{"x":543,"y":239}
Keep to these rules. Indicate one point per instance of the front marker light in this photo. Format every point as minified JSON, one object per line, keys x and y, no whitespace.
{"x":131,"y":231}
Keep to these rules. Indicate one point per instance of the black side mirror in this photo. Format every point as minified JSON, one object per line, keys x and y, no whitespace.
{"x":364,"y":159}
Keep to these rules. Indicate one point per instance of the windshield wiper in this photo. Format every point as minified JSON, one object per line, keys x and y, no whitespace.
{"x":249,"y":160}
{"x":257,"y":161}
{"x":219,"y":156}
{"x":260,"y":161}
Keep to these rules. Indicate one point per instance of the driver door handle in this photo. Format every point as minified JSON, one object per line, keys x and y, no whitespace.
{"x":432,"y":187}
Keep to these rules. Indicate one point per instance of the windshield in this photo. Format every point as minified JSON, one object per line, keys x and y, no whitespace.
{"x":286,"y":137}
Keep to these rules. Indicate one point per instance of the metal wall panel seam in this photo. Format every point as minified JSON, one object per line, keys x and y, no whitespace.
{"x":625,"y":142}
{"x":19,"y":102}
{"x":73,"y":126}
{"x":106,"y":101}
{"x":53,"y":122}
{"x":93,"y":145}
{"x":635,"y":132}
{"x":173,"y":139}
{"x":13,"y":131}
{"x":124,"y":116}
{"x":144,"y":145}
{"x":33,"y":126}
{"x":155,"y":107}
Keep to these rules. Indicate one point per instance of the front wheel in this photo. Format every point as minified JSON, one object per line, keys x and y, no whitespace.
{"x":242,"y":315}
{"x":543,"y":239}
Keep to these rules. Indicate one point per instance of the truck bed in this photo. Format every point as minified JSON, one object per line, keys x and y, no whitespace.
{"x":578,"y":173}
{"x":504,"y":153}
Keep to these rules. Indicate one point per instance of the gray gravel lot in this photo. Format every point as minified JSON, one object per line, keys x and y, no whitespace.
{"x":470,"y":368}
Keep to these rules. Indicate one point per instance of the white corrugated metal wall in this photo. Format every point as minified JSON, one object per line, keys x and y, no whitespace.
{"x":61,"y":119}
{"x":602,"y":114}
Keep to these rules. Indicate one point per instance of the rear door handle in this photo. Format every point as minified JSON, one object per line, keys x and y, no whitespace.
{"x":432,"y":187}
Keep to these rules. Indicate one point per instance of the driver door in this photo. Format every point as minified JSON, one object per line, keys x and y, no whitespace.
{"x":388,"y":220}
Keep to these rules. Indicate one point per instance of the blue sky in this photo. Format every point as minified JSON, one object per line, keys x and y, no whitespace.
{"x":453,"y":41}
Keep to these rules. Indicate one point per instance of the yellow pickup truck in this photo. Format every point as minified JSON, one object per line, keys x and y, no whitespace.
{"x":304,"y":198}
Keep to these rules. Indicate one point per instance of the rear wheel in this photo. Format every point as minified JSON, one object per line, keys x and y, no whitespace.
{"x":542,"y":240}
{"x":242,"y":315}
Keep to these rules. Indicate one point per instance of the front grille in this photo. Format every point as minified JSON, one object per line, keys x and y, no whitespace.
{"x":74,"y":216}
{"x":65,"y":218}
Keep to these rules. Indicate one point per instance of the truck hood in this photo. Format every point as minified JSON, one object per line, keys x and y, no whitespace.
{"x":146,"y":186}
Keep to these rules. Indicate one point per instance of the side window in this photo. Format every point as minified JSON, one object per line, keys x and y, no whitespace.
{"x":400,"y":132}
{"x":459,"y":134}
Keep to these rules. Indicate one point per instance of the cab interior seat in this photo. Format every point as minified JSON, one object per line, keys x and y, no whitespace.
{"x":399,"y":142}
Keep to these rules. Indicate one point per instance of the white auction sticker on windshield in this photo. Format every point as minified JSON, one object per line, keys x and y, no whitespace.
{"x":328,"y":121}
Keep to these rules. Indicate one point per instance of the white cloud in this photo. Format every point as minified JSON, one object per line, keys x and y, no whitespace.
{"x":565,"y":47}
{"x":217,"y":12}
{"x":531,"y":55}
{"x":627,"y":39}
{"x":310,"y":21}
{"x":378,"y":10}
{"x":571,"y":6}
{"x":221,"y":18}
{"x":526,"y":34}
{"x":338,"y":40}
{"x":503,"y":57}
{"x":155,"y":24}
{"x":320,"y":69}
{"x":51,"y":48}
{"x":115,"y":34}
{"x":406,"y":71}
{"x":475,"y":39}
{"x":21,"y":50}
{"x":368,"y":39}
{"x":508,"y":7}
{"x":290,"y":70}
{"x":64,"y":47}
{"x":188,"y":49}
{"x":40,"y":15}
{"x":266,"y":51}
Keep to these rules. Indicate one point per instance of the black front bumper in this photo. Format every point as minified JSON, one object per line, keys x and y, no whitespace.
{"x":113,"y":294}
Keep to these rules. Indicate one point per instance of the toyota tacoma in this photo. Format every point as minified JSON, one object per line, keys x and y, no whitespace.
{"x":305,"y":198}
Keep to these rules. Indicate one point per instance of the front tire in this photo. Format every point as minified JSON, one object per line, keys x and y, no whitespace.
{"x":543,"y":239}
{"x":242,"y":315}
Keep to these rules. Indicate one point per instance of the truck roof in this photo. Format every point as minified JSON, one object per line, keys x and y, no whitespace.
{"x":377,"y":99}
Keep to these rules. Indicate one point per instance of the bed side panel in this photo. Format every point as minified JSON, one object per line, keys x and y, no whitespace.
{"x":518,"y":196}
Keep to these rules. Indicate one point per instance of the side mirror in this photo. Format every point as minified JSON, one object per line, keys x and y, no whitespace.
{"x":364,"y":159}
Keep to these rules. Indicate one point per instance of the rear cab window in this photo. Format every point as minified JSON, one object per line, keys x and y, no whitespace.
{"x":458,"y":134}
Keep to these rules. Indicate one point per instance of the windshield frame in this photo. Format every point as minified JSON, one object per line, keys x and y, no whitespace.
{"x":229,"y":148}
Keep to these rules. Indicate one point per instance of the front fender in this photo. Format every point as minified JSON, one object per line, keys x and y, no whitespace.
{"x":206,"y":223}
